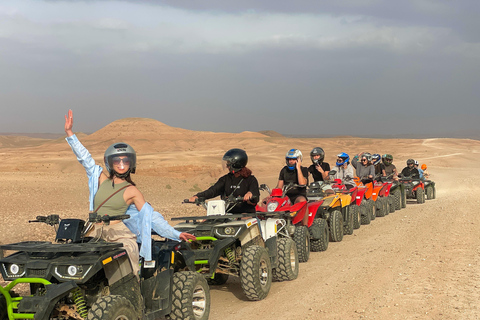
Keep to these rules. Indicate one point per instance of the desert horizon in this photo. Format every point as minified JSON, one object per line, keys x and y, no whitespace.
{"x":417,"y":263}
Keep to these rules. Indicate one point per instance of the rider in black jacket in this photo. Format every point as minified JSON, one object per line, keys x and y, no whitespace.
{"x":239,"y":181}
{"x":410,"y":171}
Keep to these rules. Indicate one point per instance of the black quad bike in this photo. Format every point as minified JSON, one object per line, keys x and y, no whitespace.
{"x":414,"y":188}
{"x":247,"y":246}
{"x":79,"y":277}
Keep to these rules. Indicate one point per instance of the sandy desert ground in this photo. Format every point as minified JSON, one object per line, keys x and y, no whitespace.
{"x":418,"y":263}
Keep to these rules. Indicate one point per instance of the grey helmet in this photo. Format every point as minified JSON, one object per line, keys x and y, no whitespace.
{"x":368,"y":156}
{"x":317,"y":151}
{"x":120,"y":149}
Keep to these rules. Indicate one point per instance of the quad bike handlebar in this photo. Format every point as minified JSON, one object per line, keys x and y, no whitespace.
{"x":96,"y":218}
{"x":51,"y":220}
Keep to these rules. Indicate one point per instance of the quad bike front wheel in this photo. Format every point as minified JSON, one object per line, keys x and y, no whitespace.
{"x":320,"y":244}
{"x":420,"y":195}
{"x":348,"y":227}
{"x":380,"y":207}
{"x":287,"y":260}
{"x":355,"y":210}
{"x":397,"y":199}
{"x":112,"y":308}
{"x":391,"y":204}
{"x":364,"y":214}
{"x":371,"y":209}
{"x":190,"y":296}
{"x":301,"y":236}
{"x":256,"y":273}
{"x":430,"y":191}
{"x":336,"y":226}
{"x":3,"y":308}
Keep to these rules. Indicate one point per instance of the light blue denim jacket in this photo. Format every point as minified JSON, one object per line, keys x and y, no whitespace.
{"x":140,"y":222}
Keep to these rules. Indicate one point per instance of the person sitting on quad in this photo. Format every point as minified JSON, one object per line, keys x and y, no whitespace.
{"x":344,"y":170}
{"x":238,"y":182}
{"x":365,"y":171}
{"x":420,"y":171}
{"x":425,"y":172}
{"x":379,"y":167}
{"x":319,"y":169}
{"x":120,"y":162}
{"x":410,"y":171}
{"x":390,"y":169}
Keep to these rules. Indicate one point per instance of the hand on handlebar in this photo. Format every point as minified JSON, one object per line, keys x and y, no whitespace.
{"x":187,"y":236}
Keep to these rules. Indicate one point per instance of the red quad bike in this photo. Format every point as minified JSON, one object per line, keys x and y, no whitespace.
{"x":414,"y":188}
{"x":277,"y":201}
{"x":382,"y":204}
{"x":356,"y":193}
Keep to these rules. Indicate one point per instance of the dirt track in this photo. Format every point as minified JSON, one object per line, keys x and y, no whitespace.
{"x":418,"y":263}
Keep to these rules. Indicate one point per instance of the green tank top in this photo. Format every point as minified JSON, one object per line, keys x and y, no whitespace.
{"x":115,"y":206}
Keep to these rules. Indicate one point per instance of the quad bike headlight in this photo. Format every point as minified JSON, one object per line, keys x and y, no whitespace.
{"x":227,"y":231}
{"x":74,"y":272}
{"x":272,"y":206}
{"x":13,"y":270}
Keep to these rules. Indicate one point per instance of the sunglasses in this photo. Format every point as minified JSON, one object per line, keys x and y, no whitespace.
{"x":116,"y":161}
{"x":364,"y":160}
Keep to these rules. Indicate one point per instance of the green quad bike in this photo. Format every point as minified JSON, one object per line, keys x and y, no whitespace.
{"x":252,"y":246}
{"x":78,"y":277}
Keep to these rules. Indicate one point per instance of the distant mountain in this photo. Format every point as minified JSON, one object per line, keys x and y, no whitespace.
{"x":271,"y":133}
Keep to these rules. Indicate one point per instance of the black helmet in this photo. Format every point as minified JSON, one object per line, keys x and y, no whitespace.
{"x":317,"y":151}
{"x":410,"y":161}
{"x":236,"y":159}
{"x":120,"y":149}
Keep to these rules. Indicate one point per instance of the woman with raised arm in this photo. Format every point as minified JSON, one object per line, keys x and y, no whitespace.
{"x":114,"y":193}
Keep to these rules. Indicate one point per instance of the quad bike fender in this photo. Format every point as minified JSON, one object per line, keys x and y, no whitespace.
{"x":117,"y":267}
{"x":42,"y":305}
{"x":252,"y":233}
{"x":156,"y":292}
{"x":298,"y":211}
{"x":368,"y":193}
{"x":376,"y":191}
{"x":420,"y":185}
{"x":312,"y":211}
{"x":271,"y":245}
{"x":345,"y":200}
{"x":359,"y":195}
{"x":270,"y":227}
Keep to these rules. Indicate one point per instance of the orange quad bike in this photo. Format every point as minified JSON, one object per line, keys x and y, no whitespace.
{"x":367,"y":205}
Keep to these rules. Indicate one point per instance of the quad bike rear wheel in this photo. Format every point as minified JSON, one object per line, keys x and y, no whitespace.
{"x":320,"y":244}
{"x":218,"y":279}
{"x":364,"y":214}
{"x":336,"y":226}
{"x":348,"y":227}
{"x":112,"y":308}
{"x":301,"y":236}
{"x":356,"y":216}
{"x":256,"y":273}
{"x":287,"y":268}
{"x":420,"y":195}
{"x":191,"y":296}
{"x":3,"y":308}
{"x":429,"y":191}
